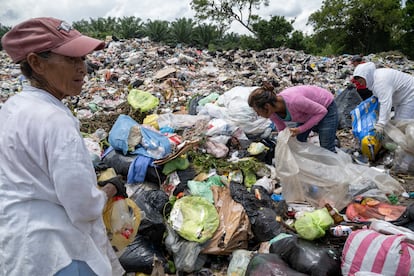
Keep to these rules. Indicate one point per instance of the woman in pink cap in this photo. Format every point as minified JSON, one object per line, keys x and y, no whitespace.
{"x":50,"y":206}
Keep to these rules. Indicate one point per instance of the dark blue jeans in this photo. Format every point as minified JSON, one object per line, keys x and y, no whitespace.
{"x":326,"y":129}
{"x":76,"y":268}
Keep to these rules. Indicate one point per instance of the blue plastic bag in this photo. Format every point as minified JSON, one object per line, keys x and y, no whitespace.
{"x":118,"y":135}
{"x":364,"y":117}
{"x":154,"y":144}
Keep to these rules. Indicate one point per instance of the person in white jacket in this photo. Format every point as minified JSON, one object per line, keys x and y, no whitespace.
{"x":50,"y":206}
{"x":393,"y":88}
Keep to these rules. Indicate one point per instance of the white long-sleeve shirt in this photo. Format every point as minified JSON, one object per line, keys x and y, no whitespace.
{"x":393,"y":88}
{"x":50,"y":206}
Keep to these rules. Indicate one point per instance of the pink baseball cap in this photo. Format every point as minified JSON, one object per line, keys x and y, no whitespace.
{"x":44,"y":34}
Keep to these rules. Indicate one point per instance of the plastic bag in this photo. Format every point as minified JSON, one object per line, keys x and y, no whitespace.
{"x":346,"y":102}
{"x":122,"y":218}
{"x":240,"y":259}
{"x":373,"y":209}
{"x":180,"y":121}
{"x":402,"y":133}
{"x":264,"y":226}
{"x":154,"y":144}
{"x":233,"y":107}
{"x":140,"y":254}
{"x":186,"y":253}
{"x":151,"y":120}
{"x":269,"y":265}
{"x":178,"y":163}
{"x":310,"y":173}
{"x":194,"y":218}
{"x":152,"y":202}
{"x":216,"y":149}
{"x":119,"y":133}
{"x":364,"y":117}
{"x":306,"y":256}
{"x":262,"y":212}
{"x":234,"y":228}
{"x":312,"y":225}
{"x":142,"y":100}
{"x":256,"y":148}
{"x":203,"y":188}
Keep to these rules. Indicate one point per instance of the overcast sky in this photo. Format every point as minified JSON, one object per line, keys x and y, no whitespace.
{"x":15,"y":11}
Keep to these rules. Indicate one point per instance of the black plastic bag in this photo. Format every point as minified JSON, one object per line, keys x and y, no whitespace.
{"x":252,"y":204}
{"x":153,"y":202}
{"x":184,"y":176}
{"x":406,"y":219}
{"x":262,"y":212}
{"x":308,"y":257}
{"x":139,"y":256}
{"x":264,"y":225}
{"x":121,"y":163}
{"x":346,"y":102}
{"x":269,"y":265}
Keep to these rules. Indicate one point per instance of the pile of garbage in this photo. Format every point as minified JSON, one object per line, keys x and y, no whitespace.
{"x":213,"y":189}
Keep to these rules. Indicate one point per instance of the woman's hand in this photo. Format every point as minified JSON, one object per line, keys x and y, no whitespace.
{"x":117,"y":183}
{"x":294,"y":131}
{"x":109,"y":189}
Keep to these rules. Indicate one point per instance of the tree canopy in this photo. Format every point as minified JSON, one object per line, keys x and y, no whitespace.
{"x":357,"y":26}
{"x":224,"y":12}
{"x":340,"y":27}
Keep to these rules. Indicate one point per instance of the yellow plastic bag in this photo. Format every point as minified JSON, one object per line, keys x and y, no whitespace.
{"x":151,"y":120}
{"x":370,"y":147}
{"x":122,"y":218}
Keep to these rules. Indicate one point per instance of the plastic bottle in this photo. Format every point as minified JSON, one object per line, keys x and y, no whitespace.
{"x":336,"y":217}
{"x":341,"y":230}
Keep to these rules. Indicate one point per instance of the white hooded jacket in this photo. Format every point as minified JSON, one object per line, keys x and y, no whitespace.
{"x":393,"y":88}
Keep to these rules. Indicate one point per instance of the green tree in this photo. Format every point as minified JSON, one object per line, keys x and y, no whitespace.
{"x":3,"y":31}
{"x":99,"y":28}
{"x":157,"y":30}
{"x":248,"y":42}
{"x":224,"y":12}
{"x":229,"y":41}
{"x":83,"y":26}
{"x":357,"y":26}
{"x":273,"y":33}
{"x":181,"y":30}
{"x":407,"y":37}
{"x":206,"y":34}
{"x":129,"y":27}
{"x":297,"y":41}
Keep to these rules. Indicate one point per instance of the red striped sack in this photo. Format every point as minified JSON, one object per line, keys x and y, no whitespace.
{"x":369,"y":251}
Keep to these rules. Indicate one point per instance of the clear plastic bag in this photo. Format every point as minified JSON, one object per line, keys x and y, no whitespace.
{"x":316,"y":175}
{"x":402,"y":133}
{"x":122,"y":218}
